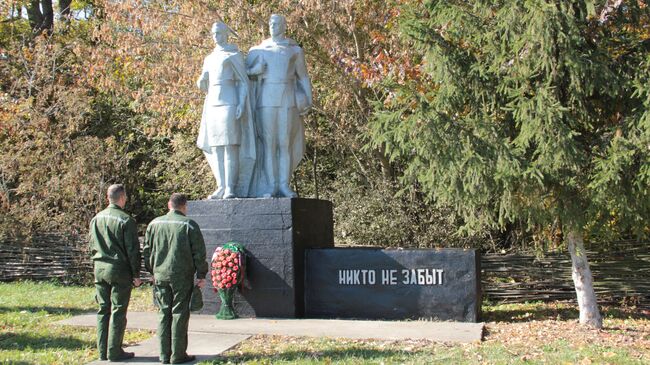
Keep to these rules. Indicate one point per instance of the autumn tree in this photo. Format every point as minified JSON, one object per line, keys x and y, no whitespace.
{"x":63,"y":140}
{"x":530,"y":111}
{"x":156,"y":48}
{"x":108,"y":94}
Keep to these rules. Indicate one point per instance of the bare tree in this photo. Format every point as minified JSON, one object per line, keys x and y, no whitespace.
{"x":41,"y":14}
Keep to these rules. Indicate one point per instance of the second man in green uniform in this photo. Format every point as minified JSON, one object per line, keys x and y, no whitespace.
{"x":174,"y":252}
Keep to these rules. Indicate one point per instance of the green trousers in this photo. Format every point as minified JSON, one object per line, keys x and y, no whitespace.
{"x":113,"y":300}
{"x":173,"y":301}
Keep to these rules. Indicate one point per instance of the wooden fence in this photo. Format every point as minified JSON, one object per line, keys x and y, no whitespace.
{"x":621,"y":269}
{"x":46,"y":256}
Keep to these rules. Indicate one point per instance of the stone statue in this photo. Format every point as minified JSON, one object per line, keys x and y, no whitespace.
{"x":227,"y":134}
{"x":281,"y":93}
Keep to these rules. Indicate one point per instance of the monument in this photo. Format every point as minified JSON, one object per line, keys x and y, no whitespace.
{"x":252,"y":135}
{"x":255,"y":125}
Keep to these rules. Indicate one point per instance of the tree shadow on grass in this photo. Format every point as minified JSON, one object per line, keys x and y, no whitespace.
{"x":23,"y":341}
{"x":529,"y":314}
{"x":564,"y":313}
{"x":331,"y":355}
{"x":48,"y":309}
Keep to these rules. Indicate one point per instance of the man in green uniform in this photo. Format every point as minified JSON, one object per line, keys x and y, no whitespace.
{"x":116,"y":259}
{"x":174,"y":252}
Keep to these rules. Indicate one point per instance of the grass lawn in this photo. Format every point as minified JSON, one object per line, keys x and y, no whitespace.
{"x":27,"y":335}
{"x":537,"y":333}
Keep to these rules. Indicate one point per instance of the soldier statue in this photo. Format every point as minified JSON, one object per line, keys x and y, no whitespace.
{"x":281,"y":93}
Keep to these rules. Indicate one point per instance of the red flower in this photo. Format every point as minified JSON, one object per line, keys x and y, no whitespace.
{"x":230,"y":264}
{"x":235,"y":268}
{"x":218,"y":277}
{"x":234,"y":275}
{"x":228,"y":285}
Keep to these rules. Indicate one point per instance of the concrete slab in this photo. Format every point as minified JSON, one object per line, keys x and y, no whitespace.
{"x":204,"y":346}
{"x":333,"y":328}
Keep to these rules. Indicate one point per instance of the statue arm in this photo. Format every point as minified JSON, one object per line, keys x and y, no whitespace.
{"x":204,"y":79}
{"x":239,"y":67}
{"x":303,"y":80}
{"x":254,"y":64}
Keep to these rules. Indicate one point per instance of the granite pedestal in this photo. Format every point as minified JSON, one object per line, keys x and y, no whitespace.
{"x":276,"y":233}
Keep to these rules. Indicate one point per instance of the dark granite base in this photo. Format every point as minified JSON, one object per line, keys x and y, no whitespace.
{"x":442,"y":284}
{"x":276,"y":233}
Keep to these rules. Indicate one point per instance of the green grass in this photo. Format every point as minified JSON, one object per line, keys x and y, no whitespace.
{"x":28,"y":335}
{"x":282,"y":350}
{"x":534,"y":333}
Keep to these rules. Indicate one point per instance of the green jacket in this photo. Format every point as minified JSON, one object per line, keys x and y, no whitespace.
{"x":114,"y":245}
{"x":174,"y":248}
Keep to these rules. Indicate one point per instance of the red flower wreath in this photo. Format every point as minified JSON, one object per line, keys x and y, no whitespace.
{"x":226,"y":268}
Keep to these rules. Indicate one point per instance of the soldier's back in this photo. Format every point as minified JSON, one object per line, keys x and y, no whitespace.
{"x":170,"y":244}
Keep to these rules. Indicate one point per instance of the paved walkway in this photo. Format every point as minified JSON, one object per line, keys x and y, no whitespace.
{"x":204,"y":346}
{"x":212,"y":337}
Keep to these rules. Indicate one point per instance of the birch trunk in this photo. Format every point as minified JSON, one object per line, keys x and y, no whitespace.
{"x":583,"y":281}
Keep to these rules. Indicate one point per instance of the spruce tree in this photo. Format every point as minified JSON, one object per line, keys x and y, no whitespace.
{"x":529,"y":111}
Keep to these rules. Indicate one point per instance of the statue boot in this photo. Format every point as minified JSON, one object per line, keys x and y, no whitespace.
{"x":230,"y":171}
{"x":217,"y":170}
{"x":218,"y":194}
{"x":286,"y":191}
{"x":285,"y":172}
{"x":270,"y":189}
{"x":270,"y":192}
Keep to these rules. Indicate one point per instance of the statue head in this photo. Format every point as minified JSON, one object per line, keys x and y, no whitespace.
{"x":277,"y":25}
{"x":220,"y":32}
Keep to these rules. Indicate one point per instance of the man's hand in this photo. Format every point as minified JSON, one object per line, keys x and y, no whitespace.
{"x":200,"y":283}
{"x":137,"y":282}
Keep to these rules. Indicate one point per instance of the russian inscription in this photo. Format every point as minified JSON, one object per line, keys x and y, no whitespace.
{"x":422,"y":276}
